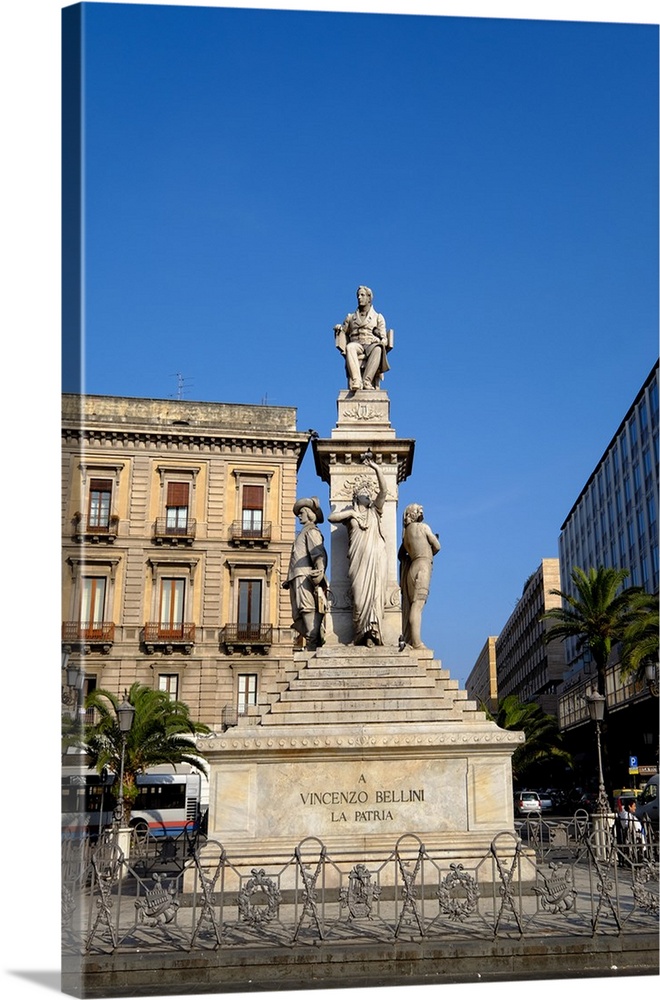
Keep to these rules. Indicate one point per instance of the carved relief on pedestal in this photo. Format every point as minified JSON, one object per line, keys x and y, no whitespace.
{"x":360,"y":483}
{"x":340,"y":597}
{"x":394,"y":598}
{"x":361,"y":411}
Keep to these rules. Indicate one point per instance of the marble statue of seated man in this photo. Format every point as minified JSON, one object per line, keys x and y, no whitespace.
{"x":364,"y":341}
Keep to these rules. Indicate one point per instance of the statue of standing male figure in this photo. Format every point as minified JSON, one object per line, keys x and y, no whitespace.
{"x":306,"y":580}
{"x":418,"y":547}
{"x":364,"y":341}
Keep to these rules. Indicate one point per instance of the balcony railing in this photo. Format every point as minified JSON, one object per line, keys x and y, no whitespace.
{"x":241,"y":535}
{"x":229,"y":716}
{"x":85,"y":530}
{"x":248,"y":638}
{"x":168,"y":638}
{"x":88,"y":634}
{"x":164,"y":532}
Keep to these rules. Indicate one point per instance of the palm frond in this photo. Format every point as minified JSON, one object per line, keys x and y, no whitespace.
{"x":598,"y":614}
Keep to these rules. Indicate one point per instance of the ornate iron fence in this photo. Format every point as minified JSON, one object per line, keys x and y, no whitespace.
{"x":187,"y":894}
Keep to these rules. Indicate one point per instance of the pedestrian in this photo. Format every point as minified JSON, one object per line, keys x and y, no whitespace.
{"x":632,"y":829}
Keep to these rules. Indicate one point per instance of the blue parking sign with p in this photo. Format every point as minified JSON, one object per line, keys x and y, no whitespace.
{"x":633,"y":767}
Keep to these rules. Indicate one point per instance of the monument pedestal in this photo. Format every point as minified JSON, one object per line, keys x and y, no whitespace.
{"x":363,"y":425}
{"x":363,"y":746}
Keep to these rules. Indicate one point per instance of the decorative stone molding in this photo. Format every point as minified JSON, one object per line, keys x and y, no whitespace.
{"x":253,"y":475}
{"x":340,"y":598}
{"x":182,"y":443}
{"x":266,"y":566}
{"x":353,"y":483}
{"x":462,"y":739}
{"x":187,"y":564}
{"x":190,"y":472}
{"x":361,"y":411}
{"x":101,"y":467}
{"x":393,"y":599}
{"x":78,"y":563}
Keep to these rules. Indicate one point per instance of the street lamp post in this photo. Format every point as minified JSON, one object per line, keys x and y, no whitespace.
{"x":75,"y":678}
{"x":125,"y":716}
{"x":596,"y":705}
{"x":651,"y":674}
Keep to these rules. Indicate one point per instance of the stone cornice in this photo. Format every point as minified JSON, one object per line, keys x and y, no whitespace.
{"x":461,"y":737}
{"x":394,"y":452}
{"x":226,"y":443}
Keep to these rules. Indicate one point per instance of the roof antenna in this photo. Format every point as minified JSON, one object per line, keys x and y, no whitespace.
{"x":180,"y":385}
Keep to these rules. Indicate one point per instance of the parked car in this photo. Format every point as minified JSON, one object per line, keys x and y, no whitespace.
{"x":574,"y":799}
{"x":560,"y":800}
{"x":647,"y":803}
{"x":547,"y":801}
{"x":526,"y":802}
{"x":588,"y":801}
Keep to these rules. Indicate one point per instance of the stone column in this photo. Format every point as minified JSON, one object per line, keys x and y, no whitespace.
{"x":363,"y":425}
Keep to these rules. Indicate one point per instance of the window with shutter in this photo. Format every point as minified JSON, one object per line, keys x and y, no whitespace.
{"x":92,"y":603}
{"x":249,"y":608}
{"x":247,"y":692}
{"x":172,"y":595}
{"x":253,"y":510}
{"x":100,"y":495}
{"x":170,"y":684}
{"x":176,"y":507}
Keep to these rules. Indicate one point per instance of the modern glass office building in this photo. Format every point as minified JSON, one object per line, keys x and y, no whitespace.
{"x":613,"y":523}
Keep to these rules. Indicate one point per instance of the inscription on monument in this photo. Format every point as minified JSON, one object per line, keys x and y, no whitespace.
{"x":364,"y":799}
{"x":327,"y":797}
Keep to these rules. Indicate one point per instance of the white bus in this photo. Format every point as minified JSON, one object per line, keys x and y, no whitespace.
{"x":166,"y":804}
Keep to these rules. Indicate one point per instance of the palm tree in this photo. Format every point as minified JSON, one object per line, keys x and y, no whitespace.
{"x":162,"y":733}
{"x":543,"y":740}
{"x":601,"y":615}
{"x":640,"y":644}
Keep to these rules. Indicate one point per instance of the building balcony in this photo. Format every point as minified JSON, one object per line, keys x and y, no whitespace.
{"x":246,"y":638}
{"x":229,"y":716}
{"x":169,"y":639}
{"x":85,"y":530}
{"x":86,"y":636}
{"x":250,"y":538}
{"x":164,"y":533}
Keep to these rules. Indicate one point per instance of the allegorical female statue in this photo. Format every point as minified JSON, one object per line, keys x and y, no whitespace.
{"x":367,"y":558}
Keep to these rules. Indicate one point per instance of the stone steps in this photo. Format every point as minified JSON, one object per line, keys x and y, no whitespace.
{"x":361,"y":717}
{"x":362,"y":669}
{"x":357,"y":702}
{"x":351,"y":685}
{"x":342,"y":684}
{"x":366,"y":661}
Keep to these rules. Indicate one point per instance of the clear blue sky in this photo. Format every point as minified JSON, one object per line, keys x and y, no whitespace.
{"x":494,"y":181}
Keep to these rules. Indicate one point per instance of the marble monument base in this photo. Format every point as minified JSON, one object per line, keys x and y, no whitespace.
{"x":363,"y":747}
